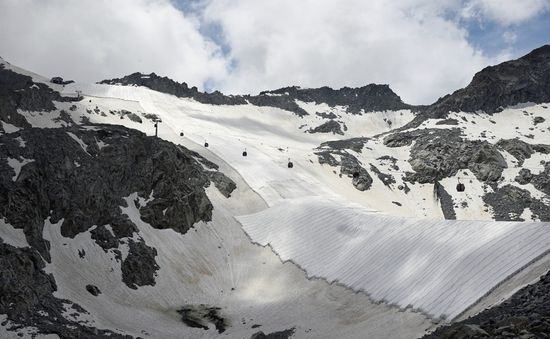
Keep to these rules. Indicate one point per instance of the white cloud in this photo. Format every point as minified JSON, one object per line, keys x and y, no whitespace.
{"x":506,"y":12}
{"x":510,"y":37}
{"x":418,"y":47}
{"x":95,"y":39}
{"x":408,"y":44}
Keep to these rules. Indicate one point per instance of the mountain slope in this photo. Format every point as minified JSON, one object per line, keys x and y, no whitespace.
{"x":524,"y":80}
{"x":135,"y":235}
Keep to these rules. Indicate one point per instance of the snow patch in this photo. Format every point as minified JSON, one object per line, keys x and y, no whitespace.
{"x":9,"y":128}
{"x":80,"y":142}
{"x":21,"y":142}
{"x":17,"y":164}
{"x":13,"y":236}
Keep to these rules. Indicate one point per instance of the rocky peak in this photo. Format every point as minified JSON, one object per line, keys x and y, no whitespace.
{"x":369,"y":98}
{"x":154,"y":82}
{"x":523,"y":80}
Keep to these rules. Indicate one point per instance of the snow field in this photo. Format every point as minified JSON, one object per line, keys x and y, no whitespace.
{"x":215,"y":263}
{"x":431,"y":273}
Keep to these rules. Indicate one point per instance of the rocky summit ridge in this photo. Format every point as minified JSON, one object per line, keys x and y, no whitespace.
{"x":523,"y":80}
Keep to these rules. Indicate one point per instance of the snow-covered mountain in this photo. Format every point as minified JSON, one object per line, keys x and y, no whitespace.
{"x":306,"y":213}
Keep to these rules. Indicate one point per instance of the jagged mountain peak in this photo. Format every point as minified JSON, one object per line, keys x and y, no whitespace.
{"x":372,"y":97}
{"x":523,"y":80}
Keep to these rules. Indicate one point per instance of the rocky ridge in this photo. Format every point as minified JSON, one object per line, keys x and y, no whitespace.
{"x":357,"y":100}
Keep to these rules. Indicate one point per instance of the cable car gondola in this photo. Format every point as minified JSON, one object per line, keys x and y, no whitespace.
{"x":460,"y":187}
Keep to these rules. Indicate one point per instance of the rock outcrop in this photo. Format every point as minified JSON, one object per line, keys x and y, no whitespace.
{"x":368,"y":98}
{"x":509,"y":203}
{"x":524,"y":80}
{"x":80,"y":177}
{"x":70,"y":177}
{"x":18,"y":91}
{"x":331,"y":126}
{"x":26,"y":298}
{"x":441,"y":153}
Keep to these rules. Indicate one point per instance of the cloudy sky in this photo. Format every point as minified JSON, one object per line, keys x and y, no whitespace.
{"x":422,"y":48}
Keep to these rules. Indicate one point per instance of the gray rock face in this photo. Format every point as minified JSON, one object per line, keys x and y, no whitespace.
{"x":86,"y":187}
{"x":538,"y":120}
{"x":18,"y":91}
{"x":445,"y":200}
{"x":330,"y":126}
{"x":351,"y":167}
{"x":355,"y":144}
{"x":522,"y":150}
{"x":509,"y":202}
{"x":441,"y":153}
{"x":401,"y":139}
{"x":285,"y":334}
{"x":387,"y":179}
{"x":524,"y":177}
{"x":541,"y":181}
{"x":94,"y":290}
{"x":349,"y":164}
{"x":368,"y":98}
{"x":201,"y":316}
{"x":325,"y":157}
{"x":104,"y":238}
{"x":26,"y":297}
{"x":447,"y":122}
{"x":525,"y":315}
{"x":526,"y":79}
{"x":326,"y":115}
{"x":222,"y":183}
{"x":139,"y":268}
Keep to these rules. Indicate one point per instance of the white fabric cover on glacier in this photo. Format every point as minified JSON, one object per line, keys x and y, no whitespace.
{"x":440,"y":267}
